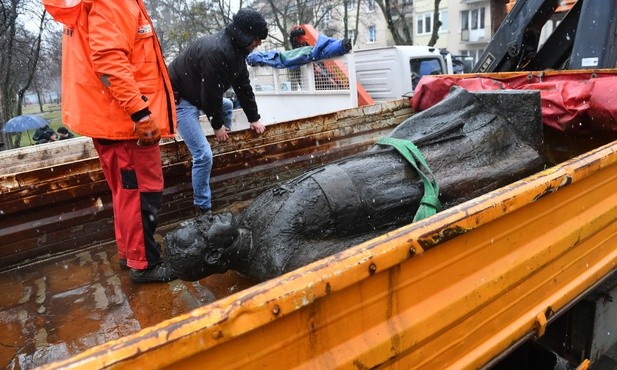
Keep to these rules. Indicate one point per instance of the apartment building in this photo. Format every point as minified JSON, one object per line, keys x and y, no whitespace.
{"x":466,"y":25}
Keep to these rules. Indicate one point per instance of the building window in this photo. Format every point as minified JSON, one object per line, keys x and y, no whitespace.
{"x":370,"y":5}
{"x":443,"y":18}
{"x":372,"y":34}
{"x":424,"y":23}
{"x":475,"y":54}
{"x":465,"y":20}
{"x":423,"y":67}
{"x":472,"y":20}
{"x":481,"y":18}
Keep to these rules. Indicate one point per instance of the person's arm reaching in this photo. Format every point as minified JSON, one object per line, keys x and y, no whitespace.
{"x":246,"y":96}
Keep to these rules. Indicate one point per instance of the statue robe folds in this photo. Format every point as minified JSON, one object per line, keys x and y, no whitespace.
{"x":473,"y":143}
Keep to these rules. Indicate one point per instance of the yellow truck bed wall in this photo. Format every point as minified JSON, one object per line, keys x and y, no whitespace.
{"x":452,"y":291}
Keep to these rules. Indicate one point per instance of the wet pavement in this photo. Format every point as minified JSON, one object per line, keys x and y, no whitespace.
{"x":57,"y":308}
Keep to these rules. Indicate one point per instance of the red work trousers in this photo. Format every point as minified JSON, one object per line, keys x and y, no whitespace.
{"x":134,"y":174}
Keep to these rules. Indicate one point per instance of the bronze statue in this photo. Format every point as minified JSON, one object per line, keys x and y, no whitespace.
{"x":472,"y":142}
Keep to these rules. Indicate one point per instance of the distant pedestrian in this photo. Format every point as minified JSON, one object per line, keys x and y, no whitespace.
{"x":64,"y":133}
{"x":44,"y":135}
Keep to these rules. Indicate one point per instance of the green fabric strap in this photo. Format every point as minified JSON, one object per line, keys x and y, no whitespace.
{"x":295,"y":53}
{"x":429,"y":204}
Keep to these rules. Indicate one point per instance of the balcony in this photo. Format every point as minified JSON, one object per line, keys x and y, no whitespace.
{"x":478,"y":36}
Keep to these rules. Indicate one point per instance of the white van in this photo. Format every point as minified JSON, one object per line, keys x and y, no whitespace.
{"x":392,"y":72}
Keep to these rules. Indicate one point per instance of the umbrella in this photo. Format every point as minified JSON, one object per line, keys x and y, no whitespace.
{"x":24,"y":123}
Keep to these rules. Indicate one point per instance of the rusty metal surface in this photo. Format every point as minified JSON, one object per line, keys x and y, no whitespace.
{"x":67,"y":206}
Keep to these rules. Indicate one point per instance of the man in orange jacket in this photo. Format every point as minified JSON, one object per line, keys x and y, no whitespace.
{"x":116,"y":90}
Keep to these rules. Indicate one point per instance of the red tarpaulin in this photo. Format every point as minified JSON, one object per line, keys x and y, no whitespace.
{"x":571,"y":101}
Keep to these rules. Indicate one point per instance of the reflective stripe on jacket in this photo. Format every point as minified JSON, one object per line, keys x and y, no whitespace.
{"x":112,"y":67}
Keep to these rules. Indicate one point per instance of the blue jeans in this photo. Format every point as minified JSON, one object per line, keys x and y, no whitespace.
{"x":195,"y":139}
{"x":228,"y":111}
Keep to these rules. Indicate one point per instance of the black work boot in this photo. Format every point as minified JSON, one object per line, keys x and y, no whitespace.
{"x":202,"y":211}
{"x":122,"y":264}
{"x":160,"y":273}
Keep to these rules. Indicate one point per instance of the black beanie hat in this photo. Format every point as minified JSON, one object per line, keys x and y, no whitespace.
{"x":248,"y":25}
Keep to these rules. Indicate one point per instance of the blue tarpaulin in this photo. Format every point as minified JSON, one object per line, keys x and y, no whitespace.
{"x":325,"y":47}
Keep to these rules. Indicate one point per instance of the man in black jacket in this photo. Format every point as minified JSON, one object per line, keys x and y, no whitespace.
{"x":200,"y":75}
{"x":44,"y":134}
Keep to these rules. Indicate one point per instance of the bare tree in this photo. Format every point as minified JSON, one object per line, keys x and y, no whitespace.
{"x":348,"y":5}
{"x":436,"y":25}
{"x":179,"y":22}
{"x":8,"y":33}
{"x":398,"y":14}
{"x":47,"y":78}
{"x":28,"y":50}
{"x":356,"y":25}
{"x":19,"y":54}
{"x":285,"y":14}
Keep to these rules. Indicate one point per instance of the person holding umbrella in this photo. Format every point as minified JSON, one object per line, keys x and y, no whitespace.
{"x":27,"y":122}
{"x":116,"y":90}
{"x":44,"y":135}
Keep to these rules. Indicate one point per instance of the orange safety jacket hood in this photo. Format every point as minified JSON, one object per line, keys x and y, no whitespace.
{"x":112,"y":68}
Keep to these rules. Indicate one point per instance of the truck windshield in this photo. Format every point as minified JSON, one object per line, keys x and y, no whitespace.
{"x":423,"y":67}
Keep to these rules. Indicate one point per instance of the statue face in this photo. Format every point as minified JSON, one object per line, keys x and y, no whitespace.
{"x":195,"y":249}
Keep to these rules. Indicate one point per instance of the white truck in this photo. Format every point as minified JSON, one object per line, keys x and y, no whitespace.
{"x":392,"y":72}
{"x":385,"y":73}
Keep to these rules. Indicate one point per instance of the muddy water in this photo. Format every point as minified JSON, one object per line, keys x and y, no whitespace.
{"x":55,"y":309}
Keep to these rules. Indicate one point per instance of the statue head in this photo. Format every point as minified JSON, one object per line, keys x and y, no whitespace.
{"x":196,"y":248}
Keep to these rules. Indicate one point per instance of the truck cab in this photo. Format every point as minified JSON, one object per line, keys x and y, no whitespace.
{"x":392,"y":72}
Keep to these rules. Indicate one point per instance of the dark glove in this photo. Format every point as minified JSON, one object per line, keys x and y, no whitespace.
{"x":147,"y":132}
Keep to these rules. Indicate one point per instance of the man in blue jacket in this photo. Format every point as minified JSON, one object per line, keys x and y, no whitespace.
{"x":200,"y":75}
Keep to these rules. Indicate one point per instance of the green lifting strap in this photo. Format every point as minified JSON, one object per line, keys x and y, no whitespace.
{"x":429,"y":204}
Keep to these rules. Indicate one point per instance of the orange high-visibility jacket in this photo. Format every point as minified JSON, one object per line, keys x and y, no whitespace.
{"x":112,"y":67}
